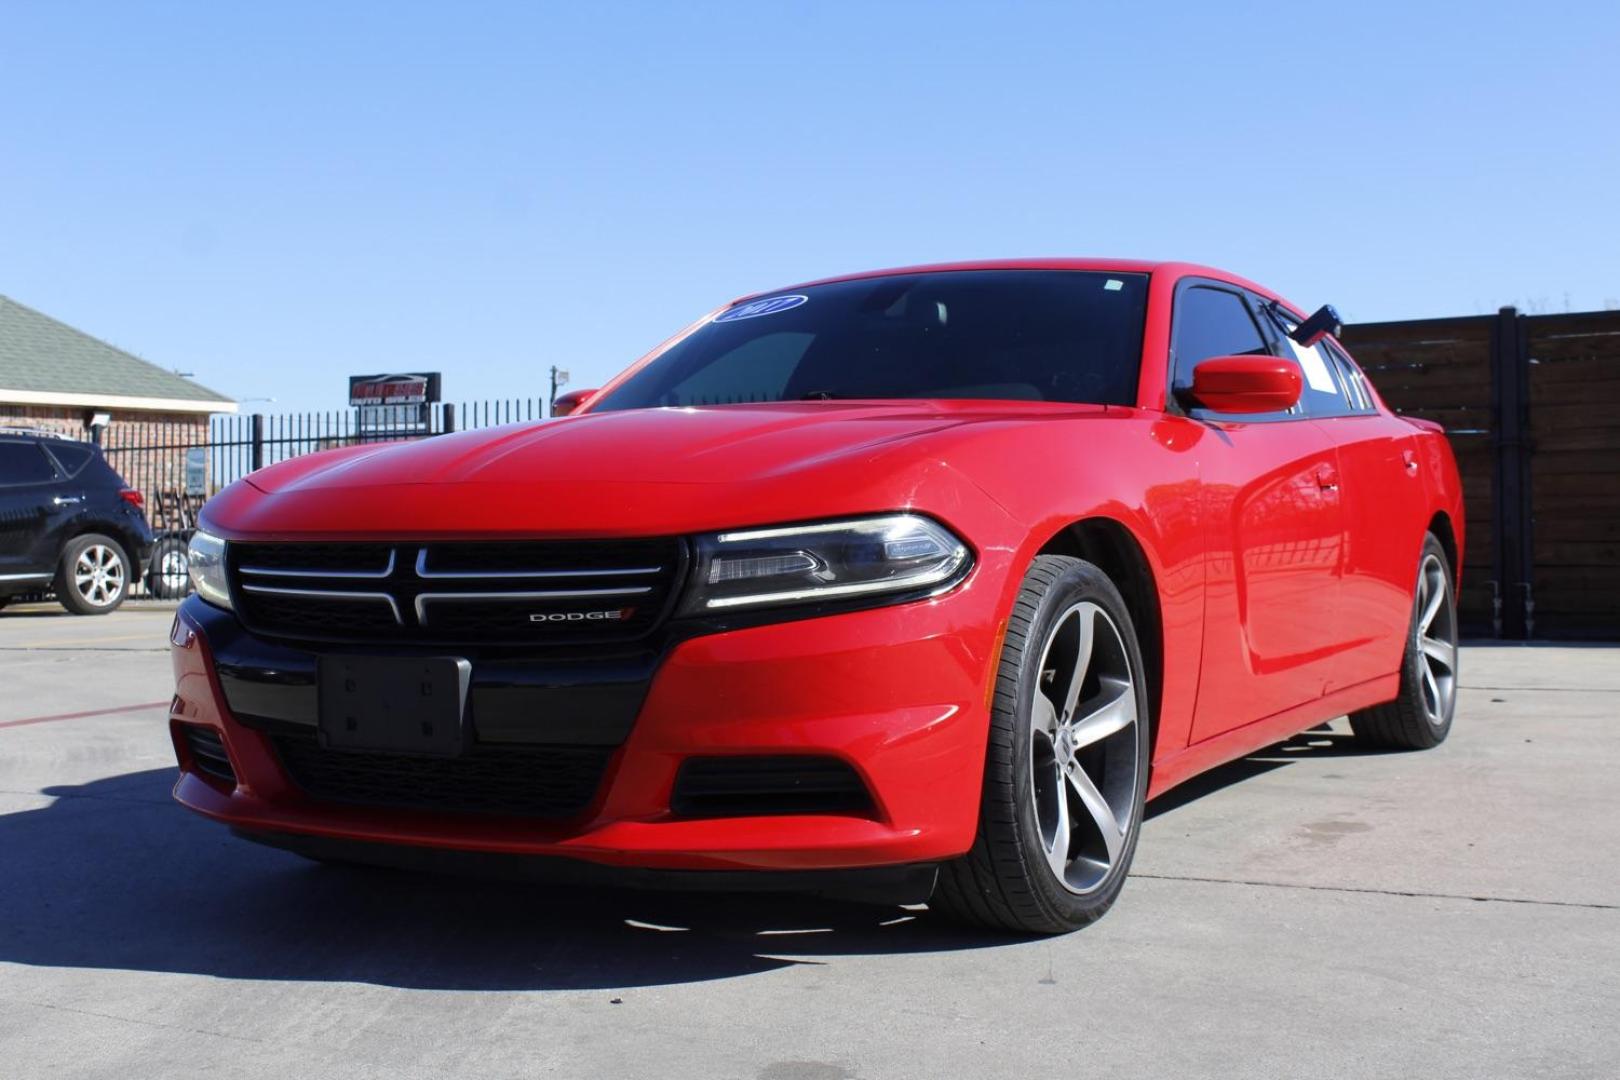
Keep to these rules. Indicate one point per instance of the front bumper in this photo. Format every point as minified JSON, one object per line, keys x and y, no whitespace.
{"x":898,"y":693}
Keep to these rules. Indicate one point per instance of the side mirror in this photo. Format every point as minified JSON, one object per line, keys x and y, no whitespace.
{"x":569,"y":403}
{"x":1246,"y":384}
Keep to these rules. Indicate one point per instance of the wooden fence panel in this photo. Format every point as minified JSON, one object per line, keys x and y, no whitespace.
{"x":1574,"y":373}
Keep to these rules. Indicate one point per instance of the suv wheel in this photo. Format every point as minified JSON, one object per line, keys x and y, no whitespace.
{"x":170,"y":578}
{"x":93,"y":578}
{"x":1067,"y":764}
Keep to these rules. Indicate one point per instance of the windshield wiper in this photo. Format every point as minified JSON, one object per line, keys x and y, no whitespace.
{"x":819,"y":395}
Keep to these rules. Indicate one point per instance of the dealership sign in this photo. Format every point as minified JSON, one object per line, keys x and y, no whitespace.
{"x":417,"y":388}
{"x":396,"y":403}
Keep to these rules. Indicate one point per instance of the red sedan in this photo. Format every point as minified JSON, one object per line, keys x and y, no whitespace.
{"x":925,"y":579}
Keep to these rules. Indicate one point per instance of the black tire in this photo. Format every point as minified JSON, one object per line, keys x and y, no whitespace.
{"x":82,"y":598}
{"x":4,"y":600}
{"x":1410,"y":722}
{"x":168,"y":577}
{"x":1006,"y":881}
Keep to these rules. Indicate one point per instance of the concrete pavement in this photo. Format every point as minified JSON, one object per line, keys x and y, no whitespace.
{"x":1311,"y":911}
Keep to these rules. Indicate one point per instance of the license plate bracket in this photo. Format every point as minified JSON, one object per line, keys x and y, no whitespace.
{"x":401,"y":705}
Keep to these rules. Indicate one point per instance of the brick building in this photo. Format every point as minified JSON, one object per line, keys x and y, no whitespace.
{"x":61,"y":379}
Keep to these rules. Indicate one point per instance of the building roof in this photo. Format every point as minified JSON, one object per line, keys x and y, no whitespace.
{"x":47,"y":362}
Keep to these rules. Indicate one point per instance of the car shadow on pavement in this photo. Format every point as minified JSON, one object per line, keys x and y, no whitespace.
{"x":115,"y":875}
{"x":1319,"y":742}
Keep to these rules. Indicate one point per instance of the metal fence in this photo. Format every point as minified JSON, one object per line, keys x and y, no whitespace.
{"x":177,"y":465}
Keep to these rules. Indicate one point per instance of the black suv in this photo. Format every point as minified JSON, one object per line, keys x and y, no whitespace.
{"x":68,"y":522}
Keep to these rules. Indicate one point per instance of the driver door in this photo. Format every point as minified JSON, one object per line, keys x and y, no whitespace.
{"x":1274,"y":530}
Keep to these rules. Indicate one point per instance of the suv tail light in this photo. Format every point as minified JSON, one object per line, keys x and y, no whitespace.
{"x":133,"y":497}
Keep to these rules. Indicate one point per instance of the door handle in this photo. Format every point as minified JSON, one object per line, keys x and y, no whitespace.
{"x":67,"y":500}
{"x":1327,"y":479}
{"x":1409,"y":459}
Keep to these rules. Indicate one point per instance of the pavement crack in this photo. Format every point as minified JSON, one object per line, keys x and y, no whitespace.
{"x":136,"y":1020}
{"x":1416,"y":893}
{"x":1546,"y":689}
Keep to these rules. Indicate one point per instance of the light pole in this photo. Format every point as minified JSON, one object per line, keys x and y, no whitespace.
{"x":559,"y":379}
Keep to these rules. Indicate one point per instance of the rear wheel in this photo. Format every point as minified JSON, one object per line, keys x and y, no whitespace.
{"x":170,"y":577}
{"x":1066,"y":769}
{"x":93,"y":577}
{"x":1421,"y":714}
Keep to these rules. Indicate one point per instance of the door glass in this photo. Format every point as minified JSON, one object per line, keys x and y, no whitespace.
{"x":71,"y":456}
{"x":24,"y":463}
{"x":1211,"y":322}
{"x":1215,"y":322}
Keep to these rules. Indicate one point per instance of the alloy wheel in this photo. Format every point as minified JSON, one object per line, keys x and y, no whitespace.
{"x":1084,"y":751}
{"x":174,"y":571}
{"x":1437,"y":641}
{"x":98,"y":575}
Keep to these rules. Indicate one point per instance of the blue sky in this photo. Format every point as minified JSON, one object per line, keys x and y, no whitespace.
{"x":273,"y":196}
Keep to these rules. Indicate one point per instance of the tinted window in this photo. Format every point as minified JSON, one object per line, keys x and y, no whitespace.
{"x":71,"y":456}
{"x":24,"y":463}
{"x":1323,"y":394}
{"x":1010,"y":334}
{"x":1212,"y":322}
{"x":1355,"y":383}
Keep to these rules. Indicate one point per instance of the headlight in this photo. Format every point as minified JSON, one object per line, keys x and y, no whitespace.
{"x":205,"y":560}
{"x":806,"y":564}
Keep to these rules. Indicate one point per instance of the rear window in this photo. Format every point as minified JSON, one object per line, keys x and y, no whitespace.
{"x":1028,"y":335}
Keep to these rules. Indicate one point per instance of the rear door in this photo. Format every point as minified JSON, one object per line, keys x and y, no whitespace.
{"x":29,"y":512}
{"x":1274,"y":529}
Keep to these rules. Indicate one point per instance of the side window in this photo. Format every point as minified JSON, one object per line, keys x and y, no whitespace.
{"x":24,"y":463}
{"x":71,"y":456}
{"x":1322,"y":394}
{"x":1211,"y":322}
{"x":1355,"y":383}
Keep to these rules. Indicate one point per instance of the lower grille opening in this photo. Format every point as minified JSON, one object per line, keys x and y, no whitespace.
{"x":521,"y":781}
{"x":208,"y":754}
{"x":744,"y":786}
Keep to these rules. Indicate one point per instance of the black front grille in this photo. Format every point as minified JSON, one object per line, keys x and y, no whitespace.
{"x":460,"y":592}
{"x":208,"y":752}
{"x":528,"y":781}
{"x":744,"y":785}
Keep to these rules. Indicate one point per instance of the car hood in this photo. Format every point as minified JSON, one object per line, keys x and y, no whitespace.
{"x":621,"y":472}
{"x":687,"y":446}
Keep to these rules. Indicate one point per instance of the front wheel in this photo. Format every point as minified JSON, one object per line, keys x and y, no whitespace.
{"x":1421,"y":714}
{"x":1067,"y":763}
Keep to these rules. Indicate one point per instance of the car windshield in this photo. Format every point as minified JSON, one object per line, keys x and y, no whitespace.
{"x":1020,"y":335}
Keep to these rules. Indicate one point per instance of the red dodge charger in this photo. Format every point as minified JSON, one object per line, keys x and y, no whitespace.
{"x":918,"y":582}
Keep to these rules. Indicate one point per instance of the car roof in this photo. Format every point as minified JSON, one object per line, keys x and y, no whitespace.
{"x":1123,"y":266}
{"x":36,"y":433}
